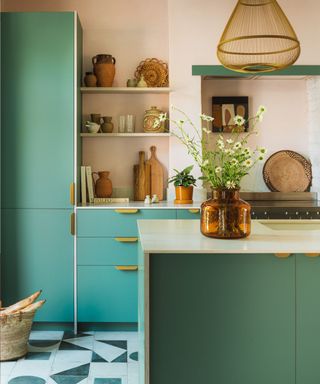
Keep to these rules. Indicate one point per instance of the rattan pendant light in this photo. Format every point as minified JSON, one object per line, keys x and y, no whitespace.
{"x":258,"y":38}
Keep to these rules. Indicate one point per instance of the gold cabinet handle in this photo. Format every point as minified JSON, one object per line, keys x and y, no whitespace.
{"x":126,"y":210}
{"x":126,"y":267}
{"x":194,"y":210}
{"x":72,"y":194}
{"x":73,"y":224}
{"x":312,"y":254}
{"x":126,"y":239}
{"x":282,"y":255}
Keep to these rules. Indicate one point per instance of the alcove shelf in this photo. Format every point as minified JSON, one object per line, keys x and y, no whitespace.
{"x":125,"y":90}
{"x":116,"y":134}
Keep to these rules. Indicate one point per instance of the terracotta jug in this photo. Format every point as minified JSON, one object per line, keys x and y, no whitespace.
{"x":104,"y":69}
{"x":103,"y":185}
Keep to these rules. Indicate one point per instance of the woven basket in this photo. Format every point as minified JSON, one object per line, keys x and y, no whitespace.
{"x":14,"y":335}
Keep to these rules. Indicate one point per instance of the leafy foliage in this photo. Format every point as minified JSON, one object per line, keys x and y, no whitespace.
{"x":183,"y":178}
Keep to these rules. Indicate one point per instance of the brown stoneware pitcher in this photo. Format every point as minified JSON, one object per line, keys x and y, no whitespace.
{"x":104,"y":69}
{"x":103,"y":185}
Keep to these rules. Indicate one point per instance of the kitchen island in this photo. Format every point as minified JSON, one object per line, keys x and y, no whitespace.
{"x":229,"y":311}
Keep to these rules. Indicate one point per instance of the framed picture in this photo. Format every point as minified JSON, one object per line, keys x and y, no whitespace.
{"x":225,"y":108}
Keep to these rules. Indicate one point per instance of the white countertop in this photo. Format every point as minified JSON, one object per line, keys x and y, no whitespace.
{"x":184,"y":236}
{"x":142,"y":205}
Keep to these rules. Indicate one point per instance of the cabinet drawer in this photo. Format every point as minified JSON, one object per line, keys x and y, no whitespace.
{"x":112,"y":223}
{"x":192,"y":214}
{"x":107,"y":251}
{"x":106,"y":294}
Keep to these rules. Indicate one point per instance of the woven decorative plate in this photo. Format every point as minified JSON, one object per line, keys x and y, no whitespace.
{"x":154,"y":71}
{"x":287,"y":171}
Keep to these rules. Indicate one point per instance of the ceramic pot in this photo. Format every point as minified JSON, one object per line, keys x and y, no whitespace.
{"x":104,"y":69}
{"x":107,"y":126}
{"x":184,"y":195}
{"x":103,"y":185}
{"x":225,"y":216}
{"x":90,"y":80}
{"x":150,"y":118}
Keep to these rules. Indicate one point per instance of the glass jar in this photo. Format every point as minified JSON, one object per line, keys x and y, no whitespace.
{"x":226,"y":216}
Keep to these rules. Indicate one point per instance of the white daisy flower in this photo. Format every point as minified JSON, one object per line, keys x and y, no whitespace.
{"x":163,"y":117}
{"x":218,"y":170}
{"x":229,"y":151}
{"x":229,"y":141}
{"x":239,"y":120}
{"x":230,"y":184}
{"x":237,"y":145}
{"x":261,"y":110}
{"x":263,"y":150}
{"x":248,"y":163}
{"x":234,"y":162}
{"x":206,"y":162}
{"x":220,"y":144}
{"x":261,"y":158}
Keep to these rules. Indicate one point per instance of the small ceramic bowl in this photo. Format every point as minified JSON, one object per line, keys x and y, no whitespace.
{"x":92,"y":127}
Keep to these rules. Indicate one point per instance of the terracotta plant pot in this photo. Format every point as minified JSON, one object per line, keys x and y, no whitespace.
{"x":184,"y":195}
{"x":103,"y":185}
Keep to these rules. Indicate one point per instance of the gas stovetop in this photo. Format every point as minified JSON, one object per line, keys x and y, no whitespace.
{"x":278,"y":205}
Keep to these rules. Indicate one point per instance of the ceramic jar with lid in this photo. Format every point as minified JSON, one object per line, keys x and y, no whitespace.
{"x":151,"y":121}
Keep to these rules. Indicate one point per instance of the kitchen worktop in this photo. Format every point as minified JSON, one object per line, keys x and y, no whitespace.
{"x":141,"y":205}
{"x":272,"y":236}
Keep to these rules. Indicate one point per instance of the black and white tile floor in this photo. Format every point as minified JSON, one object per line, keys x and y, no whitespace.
{"x":64,"y":358}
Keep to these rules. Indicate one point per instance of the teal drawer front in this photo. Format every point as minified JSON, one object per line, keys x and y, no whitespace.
{"x":107,"y":251}
{"x":106,"y":294}
{"x":112,"y":223}
{"x":192,"y":214}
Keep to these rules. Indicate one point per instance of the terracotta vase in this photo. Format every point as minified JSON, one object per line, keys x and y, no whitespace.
{"x":107,"y":126}
{"x":90,"y":80}
{"x":184,"y":195}
{"x":103,"y":185}
{"x":225,"y":216}
{"x":104,"y":69}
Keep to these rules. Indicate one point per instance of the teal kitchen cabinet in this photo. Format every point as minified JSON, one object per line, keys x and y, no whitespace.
{"x":40,"y":77}
{"x":118,"y":222}
{"x":107,"y":262}
{"x":37,"y":253}
{"x":37,"y":60}
{"x":222,"y":318}
{"x":189,"y":214}
{"x":106,"y":294}
{"x":308,"y":319}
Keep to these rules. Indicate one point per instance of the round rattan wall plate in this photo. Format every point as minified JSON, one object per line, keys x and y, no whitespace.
{"x":154,"y":71}
{"x":287,"y":171}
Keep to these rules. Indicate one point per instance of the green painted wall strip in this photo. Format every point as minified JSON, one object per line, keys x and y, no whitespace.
{"x":219,"y":70}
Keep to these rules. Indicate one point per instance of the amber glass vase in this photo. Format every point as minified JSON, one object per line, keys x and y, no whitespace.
{"x":225,"y":216}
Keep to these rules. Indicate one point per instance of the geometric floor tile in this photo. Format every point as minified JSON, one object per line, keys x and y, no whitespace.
{"x":80,"y":357}
{"x":97,"y":358}
{"x":27,"y":380}
{"x":38,"y":356}
{"x":121,"y":359}
{"x":116,"y":343}
{"x":107,"y":381}
{"x":134,"y":356}
{"x":43,"y":343}
{"x":106,"y":351}
{"x":73,"y":375}
{"x":65,"y":346}
{"x":85,"y":342}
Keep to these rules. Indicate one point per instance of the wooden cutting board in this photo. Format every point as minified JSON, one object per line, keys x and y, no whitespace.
{"x":156,"y":174}
{"x":139,"y":171}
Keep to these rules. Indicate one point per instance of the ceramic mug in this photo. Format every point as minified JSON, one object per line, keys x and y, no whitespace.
{"x":131,"y":83}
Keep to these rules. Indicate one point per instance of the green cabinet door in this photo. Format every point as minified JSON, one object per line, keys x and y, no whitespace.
{"x":106,"y":294}
{"x":188,"y":214}
{"x":37,"y":253}
{"x":37,"y":84}
{"x":222,"y":319}
{"x":308,"y":320}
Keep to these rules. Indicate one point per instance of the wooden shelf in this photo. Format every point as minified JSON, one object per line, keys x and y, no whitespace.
{"x":137,"y":134}
{"x":124,"y":90}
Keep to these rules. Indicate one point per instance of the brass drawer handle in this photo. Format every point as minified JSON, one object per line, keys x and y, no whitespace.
{"x":72,"y":194}
{"x":194,"y":210}
{"x":126,"y":210}
{"x":126,"y":239}
{"x":126,"y":267}
{"x":312,"y":254}
{"x":282,"y":255}
{"x":73,"y":224}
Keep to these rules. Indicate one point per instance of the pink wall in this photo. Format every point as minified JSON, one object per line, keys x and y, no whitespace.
{"x":186,"y":32}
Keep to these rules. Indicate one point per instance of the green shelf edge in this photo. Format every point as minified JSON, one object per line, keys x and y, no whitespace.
{"x":220,"y":71}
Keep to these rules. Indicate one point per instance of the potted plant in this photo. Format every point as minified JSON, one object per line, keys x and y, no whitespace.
{"x":223,"y":162}
{"x":183,"y":182}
